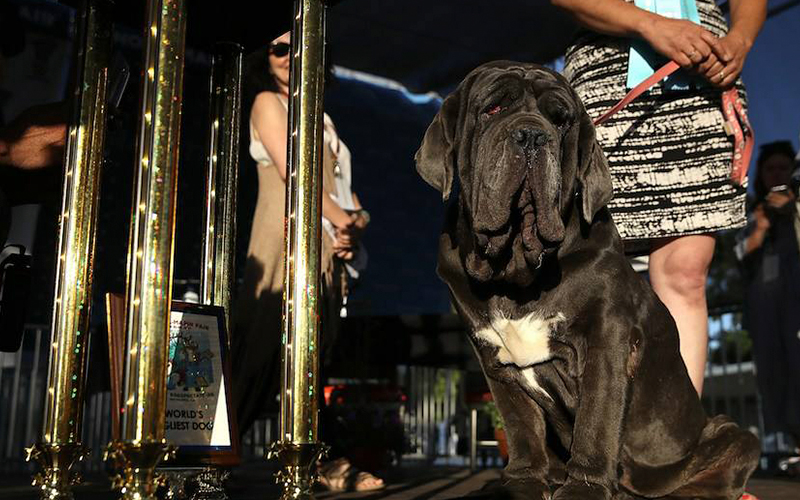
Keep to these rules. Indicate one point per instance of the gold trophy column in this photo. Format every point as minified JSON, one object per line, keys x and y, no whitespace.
{"x":149,"y":288}
{"x":219,"y":243}
{"x":298,"y":447}
{"x":219,"y":239}
{"x":61,"y":445}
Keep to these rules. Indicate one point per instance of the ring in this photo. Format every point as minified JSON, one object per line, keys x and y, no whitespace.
{"x":721,"y":75}
{"x":692,"y":53}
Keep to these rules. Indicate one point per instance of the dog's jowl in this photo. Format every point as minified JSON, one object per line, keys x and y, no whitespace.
{"x":581,"y":356}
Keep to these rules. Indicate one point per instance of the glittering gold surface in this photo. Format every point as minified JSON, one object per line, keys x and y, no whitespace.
{"x":301,"y":313}
{"x":56,"y":479}
{"x":136,"y":463}
{"x":303,"y":207}
{"x":62,"y":422}
{"x":299,"y":473}
{"x":219,"y":241}
{"x":149,"y":287}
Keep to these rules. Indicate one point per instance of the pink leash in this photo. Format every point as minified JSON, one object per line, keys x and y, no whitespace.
{"x":736,"y":122}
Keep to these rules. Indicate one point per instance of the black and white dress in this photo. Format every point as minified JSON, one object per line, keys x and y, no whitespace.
{"x":668,"y":152}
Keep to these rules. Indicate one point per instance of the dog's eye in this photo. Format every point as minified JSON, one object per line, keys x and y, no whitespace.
{"x":559,"y":113}
{"x":562,"y":116}
{"x":493,"y":109}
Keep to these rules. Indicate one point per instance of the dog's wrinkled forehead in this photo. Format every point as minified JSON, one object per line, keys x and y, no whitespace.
{"x":499,"y":76}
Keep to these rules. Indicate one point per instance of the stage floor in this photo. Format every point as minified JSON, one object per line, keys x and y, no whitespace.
{"x":409,"y":482}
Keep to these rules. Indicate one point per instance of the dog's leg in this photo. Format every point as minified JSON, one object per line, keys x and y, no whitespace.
{"x":724,"y":458}
{"x":528,"y":457}
{"x":594,"y":454}
{"x":526,"y":475}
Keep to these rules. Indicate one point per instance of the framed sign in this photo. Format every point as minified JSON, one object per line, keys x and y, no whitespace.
{"x":199,"y":417}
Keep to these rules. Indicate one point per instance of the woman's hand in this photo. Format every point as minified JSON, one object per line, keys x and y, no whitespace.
{"x":680,"y":40}
{"x":711,"y":68}
{"x":345,"y":254}
{"x":342,"y":248}
{"x":762,"y":220}
{"x":731,"y":50}
{"x":756,"y":238}
{"x":349,"y":234}
{"x":779,"y":199}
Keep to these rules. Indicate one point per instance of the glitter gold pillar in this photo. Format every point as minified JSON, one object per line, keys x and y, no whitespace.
{"x":219,"y":242}
{"x":60,"y":444}
{"x":298,"y":447}
{"x":149,"y":288}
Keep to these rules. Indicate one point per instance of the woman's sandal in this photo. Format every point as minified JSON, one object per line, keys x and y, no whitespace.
{"x":340,"y":475}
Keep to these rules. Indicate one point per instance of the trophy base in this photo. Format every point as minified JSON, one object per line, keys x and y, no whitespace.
{"x":56,"y":480}
{"x":299,"y":468}
{"x":138,"y":479}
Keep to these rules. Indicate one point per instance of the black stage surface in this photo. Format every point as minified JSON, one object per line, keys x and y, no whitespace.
{"x":412,"y":481}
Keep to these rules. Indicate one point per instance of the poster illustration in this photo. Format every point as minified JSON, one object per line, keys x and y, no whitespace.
{"x":197,"y":410}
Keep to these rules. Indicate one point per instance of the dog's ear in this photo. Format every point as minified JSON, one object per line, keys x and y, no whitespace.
{"x":435,"y":157}
{"x":593,"y":175}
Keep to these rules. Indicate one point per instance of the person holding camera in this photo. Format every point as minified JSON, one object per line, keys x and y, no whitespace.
{"x":768,"y":251}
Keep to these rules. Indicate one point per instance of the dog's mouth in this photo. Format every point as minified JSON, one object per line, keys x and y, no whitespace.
{"x":515,"y":252}
{"x":518,"y":248}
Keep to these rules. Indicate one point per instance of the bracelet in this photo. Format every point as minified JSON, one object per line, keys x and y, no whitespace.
{"x":365,"y":215}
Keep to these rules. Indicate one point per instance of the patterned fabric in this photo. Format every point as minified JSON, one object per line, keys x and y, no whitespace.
{"x":667,"y":151}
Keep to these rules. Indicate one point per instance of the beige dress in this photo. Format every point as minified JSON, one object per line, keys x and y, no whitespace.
{"x":257,"y":331}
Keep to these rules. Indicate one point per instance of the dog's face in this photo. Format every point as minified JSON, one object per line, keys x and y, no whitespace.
{"x":521,"y":144}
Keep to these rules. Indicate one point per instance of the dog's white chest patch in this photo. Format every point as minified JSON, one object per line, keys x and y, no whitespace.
{"x":522,"y":342}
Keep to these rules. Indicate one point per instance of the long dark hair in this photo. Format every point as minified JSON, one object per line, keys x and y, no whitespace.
{"x":258,"y":76}
{"x":768,"y":151}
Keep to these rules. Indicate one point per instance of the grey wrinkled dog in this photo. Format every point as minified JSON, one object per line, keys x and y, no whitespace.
{"x":581,"y":356}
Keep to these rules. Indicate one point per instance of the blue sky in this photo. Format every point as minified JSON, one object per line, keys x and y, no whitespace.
{"x":772,"y":77}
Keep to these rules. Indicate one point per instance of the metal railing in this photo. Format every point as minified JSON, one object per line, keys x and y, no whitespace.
{"x":434,"y":398}
{"x":730,"y":380}
{"x":730,"y":384}
{"x":434,"y":405}
{"x":23,"y":376}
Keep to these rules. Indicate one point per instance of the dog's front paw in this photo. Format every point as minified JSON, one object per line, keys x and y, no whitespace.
{"x":524,"y":489}
{"x":577,"y":490}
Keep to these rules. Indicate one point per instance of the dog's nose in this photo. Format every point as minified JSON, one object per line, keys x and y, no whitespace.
{"x":530,"y":136}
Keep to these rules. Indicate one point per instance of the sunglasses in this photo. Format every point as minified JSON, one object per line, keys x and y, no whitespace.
{"x":280,"y":49}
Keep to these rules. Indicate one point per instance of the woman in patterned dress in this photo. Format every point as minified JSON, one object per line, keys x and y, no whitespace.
{"x":667,"y":151}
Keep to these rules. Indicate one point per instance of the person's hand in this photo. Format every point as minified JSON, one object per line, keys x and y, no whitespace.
{"x":711,"y":68}
{"x":731,"y":50}
{"x":779,"y":199}
{"x":680,"y":40}
{"x":350,"y":233}
{"x":343,"y":250}
{"x":345,"y":254}
{"x":762,"y":220}
{"x":35,"y":139}
{"x":347,"y":235}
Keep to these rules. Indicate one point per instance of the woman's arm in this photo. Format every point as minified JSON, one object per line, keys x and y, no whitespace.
{"x":680,"y":40}
{"x":756,"y":238}
{"x":35,"y":139}
{"x":270,"y":121}
{"x":611,"y":17}
{"x":747,"y":17}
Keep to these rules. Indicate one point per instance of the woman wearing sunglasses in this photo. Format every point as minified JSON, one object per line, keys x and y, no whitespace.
{"x":256,"y":339}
